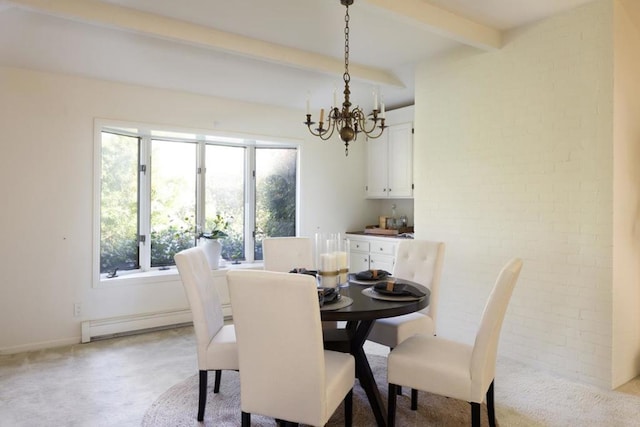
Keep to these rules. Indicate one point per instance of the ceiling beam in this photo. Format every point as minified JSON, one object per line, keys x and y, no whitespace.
{"x":443,"y":22}
{"x":113,"y":16}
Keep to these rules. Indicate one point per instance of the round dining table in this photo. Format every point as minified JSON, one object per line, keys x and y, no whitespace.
{"x":359,"y":317}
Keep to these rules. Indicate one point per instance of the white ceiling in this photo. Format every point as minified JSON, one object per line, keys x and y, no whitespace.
{"x":276,"y":52}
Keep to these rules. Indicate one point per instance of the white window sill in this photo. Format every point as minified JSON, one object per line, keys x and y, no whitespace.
{"x":170,"y":275}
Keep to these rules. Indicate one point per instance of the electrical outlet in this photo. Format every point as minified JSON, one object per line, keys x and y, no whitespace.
{"x":77,"y":309}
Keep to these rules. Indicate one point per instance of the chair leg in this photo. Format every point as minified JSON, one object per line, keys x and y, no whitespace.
{"x":348,"y":409}
{"x":246,"y":419}
{"x":391,"y":405}
{"x":202,"y":395}
{"x":398,"y":387}
{"x":414,"y":399}
{"x":490,"y":406}
{"x":216,"y":383}
{"x":475,"y":414}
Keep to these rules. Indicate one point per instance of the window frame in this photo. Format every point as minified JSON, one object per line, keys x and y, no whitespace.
{"x":146,"y":273}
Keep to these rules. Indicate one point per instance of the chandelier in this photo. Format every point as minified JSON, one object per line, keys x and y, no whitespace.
{"x":348,"y":122}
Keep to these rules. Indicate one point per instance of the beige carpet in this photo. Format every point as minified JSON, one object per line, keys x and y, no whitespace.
{"x":178,"y":406}
{"x":525,"y":397}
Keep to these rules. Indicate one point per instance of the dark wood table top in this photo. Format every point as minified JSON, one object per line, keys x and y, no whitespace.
{"x":367,"y":308}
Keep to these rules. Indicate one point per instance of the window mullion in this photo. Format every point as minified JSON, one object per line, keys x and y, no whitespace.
{"x":201,"y":185}
{"x":250,"y":204}
{"x":144,"y":220}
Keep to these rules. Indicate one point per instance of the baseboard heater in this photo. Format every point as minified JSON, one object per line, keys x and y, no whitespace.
{"x":102,"y":328}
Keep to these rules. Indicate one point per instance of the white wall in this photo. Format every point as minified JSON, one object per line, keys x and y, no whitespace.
{"x":514,"y":158}
{"x":626,"y":192}
{"x":46,"y":182}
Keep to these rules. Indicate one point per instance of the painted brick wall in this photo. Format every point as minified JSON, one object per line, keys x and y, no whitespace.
{"x":513,"y":158}
{"x":626,"y":192}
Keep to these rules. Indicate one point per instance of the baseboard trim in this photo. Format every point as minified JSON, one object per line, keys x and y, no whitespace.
{"x":94,"y":329}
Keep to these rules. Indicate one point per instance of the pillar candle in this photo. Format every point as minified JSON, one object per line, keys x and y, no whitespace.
{"x":329,"y":270}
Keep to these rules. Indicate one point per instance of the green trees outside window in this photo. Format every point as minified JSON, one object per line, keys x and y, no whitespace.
{"x":158,"y":194}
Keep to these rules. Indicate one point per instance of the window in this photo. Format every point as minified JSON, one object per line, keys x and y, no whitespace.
{"x":159,"y":189}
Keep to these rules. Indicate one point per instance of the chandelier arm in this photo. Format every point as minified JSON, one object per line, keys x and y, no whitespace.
{"x":362,"y":121}
{"x":328,"y":132}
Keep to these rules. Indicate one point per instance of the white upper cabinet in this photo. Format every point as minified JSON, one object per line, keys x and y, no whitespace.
{"x":390,"y":163}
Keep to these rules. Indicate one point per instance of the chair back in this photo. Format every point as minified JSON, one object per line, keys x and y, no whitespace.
{"x":286,"y":253}
{"x":421,"y":261}
{"x":485,"y":350}
{"x":203,"y":297}
{"x":279,"y":336}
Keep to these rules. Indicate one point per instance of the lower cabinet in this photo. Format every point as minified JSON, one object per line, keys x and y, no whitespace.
{"x":368,"y":253}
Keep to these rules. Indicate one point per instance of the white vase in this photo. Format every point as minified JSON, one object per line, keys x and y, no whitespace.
{"x":212,"y":249}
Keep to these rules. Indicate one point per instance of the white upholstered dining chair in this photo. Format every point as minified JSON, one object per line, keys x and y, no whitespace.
{"x":286,"y":253}
{"x":216,"y":342}
{"x":419,"y":261}
{"x":453,"y":369}
{"x":283,"y":254}
{"x":285,"y":373}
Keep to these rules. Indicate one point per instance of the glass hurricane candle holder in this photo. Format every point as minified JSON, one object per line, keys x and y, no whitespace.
{"x":326,"y":246}
{"x":342,"y":259}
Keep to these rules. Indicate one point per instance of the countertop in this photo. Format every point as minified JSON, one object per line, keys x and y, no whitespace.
{"x":391,"y":236}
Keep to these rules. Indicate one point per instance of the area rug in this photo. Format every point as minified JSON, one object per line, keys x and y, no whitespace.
{"x":178,"y":406}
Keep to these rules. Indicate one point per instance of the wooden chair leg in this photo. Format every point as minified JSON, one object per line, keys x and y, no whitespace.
{"x":216,"y":383}
{"x":475,"y":414}
{"x":491,"y":411}
{"x":391,"y":405}
{"x":414,"y":399}
{"x":202,"y":395}
{"x":348,"y":409}
{"x":246,"y":419}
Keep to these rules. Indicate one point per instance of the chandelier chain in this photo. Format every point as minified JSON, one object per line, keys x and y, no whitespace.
{"x":346,"y":76}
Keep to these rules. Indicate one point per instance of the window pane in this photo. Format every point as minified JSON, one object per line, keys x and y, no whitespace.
{"x":173,"y":199}
{"x":224,"y":195}
{"x":119,"y":203}
{"x":275,"y":194}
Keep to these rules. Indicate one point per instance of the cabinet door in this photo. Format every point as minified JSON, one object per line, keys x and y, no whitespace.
{"x":358,"y":261}
{"x":400,"y":160}
{"x":381,"y":262}
{"x":377,"y":175}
